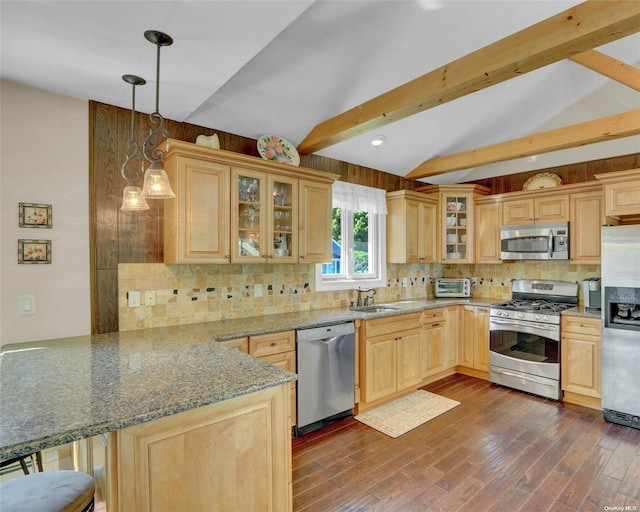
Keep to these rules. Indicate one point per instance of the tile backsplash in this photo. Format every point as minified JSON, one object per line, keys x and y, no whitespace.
{"x":204,"y":293}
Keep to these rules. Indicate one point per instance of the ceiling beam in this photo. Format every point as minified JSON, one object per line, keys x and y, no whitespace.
{"x":580,"y":28}
{"x":608,"y":66}
{"x":581,"y":134}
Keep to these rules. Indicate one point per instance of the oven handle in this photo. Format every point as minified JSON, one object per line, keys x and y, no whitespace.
{"x":518,"y":324}
{"x":519,"y":376}
{"x":551,"y":245}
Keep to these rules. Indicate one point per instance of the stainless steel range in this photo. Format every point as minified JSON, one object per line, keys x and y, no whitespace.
{"x":525,"y":336}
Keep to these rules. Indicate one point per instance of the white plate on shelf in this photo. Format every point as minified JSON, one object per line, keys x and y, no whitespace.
{"x":278,"y":149}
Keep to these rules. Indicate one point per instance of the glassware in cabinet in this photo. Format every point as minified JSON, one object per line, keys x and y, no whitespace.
{"x":284,"y":217}
{"x":248,"y":222}
{"x":456,"y":221}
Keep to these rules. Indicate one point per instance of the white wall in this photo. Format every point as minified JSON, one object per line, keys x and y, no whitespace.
{"x":44,"y":158}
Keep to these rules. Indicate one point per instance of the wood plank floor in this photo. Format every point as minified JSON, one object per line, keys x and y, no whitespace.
{"x":499,"y":450}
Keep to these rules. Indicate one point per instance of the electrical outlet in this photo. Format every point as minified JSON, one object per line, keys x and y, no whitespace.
{"x":257,"y":290}
{"x":27,"y":305}
{"x":150,"y":298}
{"x":405,"y":282}
{"x":133,"y":299}
{"x":474,"y":280}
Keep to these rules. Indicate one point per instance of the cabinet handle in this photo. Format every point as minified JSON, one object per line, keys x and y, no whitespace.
{"x":270,"y":256}
{"x":227,"y":256}
{"x":435,"y":325}
{"x":274,"y":343}
{"x":301,"y":256}
{"x":482,"y":309}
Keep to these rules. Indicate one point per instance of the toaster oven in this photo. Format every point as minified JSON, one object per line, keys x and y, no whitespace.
{"x":453,"y":287}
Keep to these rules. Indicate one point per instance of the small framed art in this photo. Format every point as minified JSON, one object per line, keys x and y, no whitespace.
{"x":34,"y":251}
{"x":33,"y":215}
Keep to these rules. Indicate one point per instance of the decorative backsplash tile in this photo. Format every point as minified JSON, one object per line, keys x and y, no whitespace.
{"x":205,"y":293}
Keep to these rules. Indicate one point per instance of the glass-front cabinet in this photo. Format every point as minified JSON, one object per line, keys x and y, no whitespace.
{"x":264,"y":218}
{"x":456,"y":228}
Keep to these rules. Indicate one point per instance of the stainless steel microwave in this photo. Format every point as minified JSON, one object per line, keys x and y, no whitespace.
{"x":453,"y":287}
{"x":535,"y":242}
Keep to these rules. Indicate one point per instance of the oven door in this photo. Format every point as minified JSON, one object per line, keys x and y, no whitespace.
{"x":525,"y":355}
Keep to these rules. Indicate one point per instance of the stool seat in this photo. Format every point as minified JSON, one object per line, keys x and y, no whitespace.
{"x":50,"y":491}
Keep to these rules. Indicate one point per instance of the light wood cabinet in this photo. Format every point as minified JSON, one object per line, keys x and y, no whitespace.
{"x":435,"y":355}
{"x":241,"y":344}
{"x":581,"y":360}
{"x":391,"y":356}
{"x":621,"y":195}
{"x":584,"y":231}
{"x":315,"y":222}
{"x":474,"y":341}
{"x":412,"y":228}
{"x":234,"y":454}
{"x":451,"y":335}
{"x":538,"y":209}
{"x":196,"y":222}
{"x":278,"y":348}
{"x":233,"y":208}
{"x":487,"y":233}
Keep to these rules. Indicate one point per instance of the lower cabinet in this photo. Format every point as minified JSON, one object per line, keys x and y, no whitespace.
{"x":580,"y":351}
{"x":435,"y":356}
{"x":232,"y":455}
{"x":474,"y":341}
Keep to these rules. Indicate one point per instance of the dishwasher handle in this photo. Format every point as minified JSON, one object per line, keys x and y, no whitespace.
{"x":326,"y":332}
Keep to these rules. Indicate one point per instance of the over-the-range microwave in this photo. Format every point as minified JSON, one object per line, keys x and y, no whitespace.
{"x":535,"y":242}
{"x":453,"y":287}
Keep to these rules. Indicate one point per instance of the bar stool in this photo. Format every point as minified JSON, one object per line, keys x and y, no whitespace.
{"x":50,"y":491}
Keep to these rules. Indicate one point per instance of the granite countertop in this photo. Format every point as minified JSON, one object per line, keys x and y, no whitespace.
{"x":61,"y":390}
{"x":583,"y":312}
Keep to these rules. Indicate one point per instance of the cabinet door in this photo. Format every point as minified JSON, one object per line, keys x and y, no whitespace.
{"x":380,"y":361}
{"x":435,"y":357}
{"x":272,"y":343}
{"x":451,"y":336}
{"x":283,"y":220}
{"x":241,"y":344}
{"x":551,"y":209}
{"x":481,"y":349}
{"x":517,"y":212}
{"x":410,"y":357}
{"x":622,"y":198}
{"x":581,"y":364}
{"x":428,"y":232}
{"x":467,"y":336}
{"x":586,"y":218}
{"x":487,"y":233}
{"x":249,"y":217}
{"x":457,"y":228}
{"x":196,"y":222}
{"x":314,"y":222}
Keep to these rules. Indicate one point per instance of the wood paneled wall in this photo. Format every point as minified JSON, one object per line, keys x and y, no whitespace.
{"x":137,"y":237}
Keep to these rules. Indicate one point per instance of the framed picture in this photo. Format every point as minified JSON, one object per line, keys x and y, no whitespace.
{"x":32,"y":215}
{"x":34,"y":251}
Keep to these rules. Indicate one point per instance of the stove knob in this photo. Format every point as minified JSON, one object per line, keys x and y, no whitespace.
{"x":546,"y":318}
{"x":537,"y":317}
{"x":520,"y":315}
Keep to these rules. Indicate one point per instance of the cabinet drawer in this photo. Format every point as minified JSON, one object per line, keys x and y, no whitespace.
{"x":242,"y":344}
{"x":392,"y":324}
{"x":286,"y":360}
{"x":581,"y":325}
{"x":433,"y":315}
{"x":272,"y":343}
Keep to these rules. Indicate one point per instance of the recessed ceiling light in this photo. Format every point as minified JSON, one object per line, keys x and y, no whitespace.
{"x":378,"y":140}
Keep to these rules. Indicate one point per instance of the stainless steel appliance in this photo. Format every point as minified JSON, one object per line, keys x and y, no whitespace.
{"x":326,"y":375}
{"x":591,"y":293}
{"x":524,"y":336}
{"x":453,"y":287}
{"x":621,"y":330}
{"x":535,"y":242}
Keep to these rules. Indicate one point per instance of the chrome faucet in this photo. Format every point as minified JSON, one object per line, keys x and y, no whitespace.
{"x":368,"y":300}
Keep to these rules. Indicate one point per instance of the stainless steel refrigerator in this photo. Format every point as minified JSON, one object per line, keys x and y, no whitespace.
{"x":621,"y":324}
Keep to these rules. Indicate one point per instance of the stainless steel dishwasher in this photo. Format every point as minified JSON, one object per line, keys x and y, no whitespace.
{"x":326,"y":375}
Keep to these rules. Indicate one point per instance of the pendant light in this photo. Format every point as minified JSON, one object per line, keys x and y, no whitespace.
{"x":132,"y":198}
{"x":156,"y":181}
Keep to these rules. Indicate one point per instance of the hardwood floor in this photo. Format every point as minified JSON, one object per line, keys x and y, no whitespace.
{"x":499,"y":450}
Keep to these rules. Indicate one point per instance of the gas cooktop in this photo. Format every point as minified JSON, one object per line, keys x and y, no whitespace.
{"x":534,"y":306}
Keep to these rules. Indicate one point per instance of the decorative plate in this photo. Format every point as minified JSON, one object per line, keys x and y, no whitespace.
{"x":542,"y":180}
{"x":277,"y":149}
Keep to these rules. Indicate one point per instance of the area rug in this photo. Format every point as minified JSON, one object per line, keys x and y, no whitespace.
{"x":406,"y":413}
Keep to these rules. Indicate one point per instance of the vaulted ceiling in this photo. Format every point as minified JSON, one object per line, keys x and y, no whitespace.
{"x":454,"y":99}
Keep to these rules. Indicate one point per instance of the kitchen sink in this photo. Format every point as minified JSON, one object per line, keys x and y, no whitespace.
{"x":381,"y":308}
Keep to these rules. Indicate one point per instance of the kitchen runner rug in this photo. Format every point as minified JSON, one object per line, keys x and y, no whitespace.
{"x":406,"y":413}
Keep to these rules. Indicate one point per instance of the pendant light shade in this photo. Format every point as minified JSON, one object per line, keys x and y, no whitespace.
{"x":132,"y":199}
{"x":156,"y":183}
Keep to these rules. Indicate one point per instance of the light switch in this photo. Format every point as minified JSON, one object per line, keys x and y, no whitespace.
{"x":27,"y":305}
{"x":133,"y":299}
{"x":257,"y":290}
{"x":405,"y":282}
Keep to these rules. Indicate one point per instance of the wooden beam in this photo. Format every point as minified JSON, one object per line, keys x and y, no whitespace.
{"x":581,"y":134}
{"x":580,"y":28}
{"x":608,"y":66}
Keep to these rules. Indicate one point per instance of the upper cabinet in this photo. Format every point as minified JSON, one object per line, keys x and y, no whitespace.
{"x":535,"y":210}
{"x":412,"y":227}
{"x":233,"y":208}
{"x":456,"y":212}
{"x":621,"y":196}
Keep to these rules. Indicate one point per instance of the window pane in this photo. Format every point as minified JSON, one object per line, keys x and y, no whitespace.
{"x":361,"y":243}
{"x":335,"y":267}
